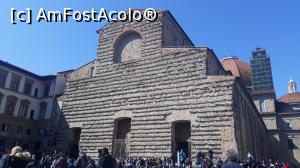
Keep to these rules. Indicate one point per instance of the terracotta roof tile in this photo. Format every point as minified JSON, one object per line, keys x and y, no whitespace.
{"x":290,"y":98}
{"x":238,"y":68}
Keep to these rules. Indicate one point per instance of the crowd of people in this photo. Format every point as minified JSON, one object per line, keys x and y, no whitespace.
{"x":19,"y":158}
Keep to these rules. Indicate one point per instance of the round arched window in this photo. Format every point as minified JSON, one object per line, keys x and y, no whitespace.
{"x":127,"y":47}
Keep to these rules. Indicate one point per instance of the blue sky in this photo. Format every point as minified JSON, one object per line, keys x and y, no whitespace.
{"x":229,"y":27}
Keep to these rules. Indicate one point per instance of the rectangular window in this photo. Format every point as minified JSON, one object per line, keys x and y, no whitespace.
{"x":3,"y":76}
{"x":36,"y":92}
{"x":28,"y":131}
{"x":37,"y":145}
{"x":92,"y":71}
{"x":42,"y":114}
{"x":1,"y":97}
{"x":19,"y":130}
{"x":2,"y":145}
{"x":28,"y":87}
{"x":4,"y":127}
{"x":262,"y":106}
{"x":31,"y":114}
{"x":42,"y":132}
{"x":9,"y":108}
{"x":46,"y":89}
{"x":23,"y":110}
{"x":15,"y":82}
{"x":43,"y":109}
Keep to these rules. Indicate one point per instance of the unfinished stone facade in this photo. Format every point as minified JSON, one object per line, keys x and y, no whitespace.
{"x":165,"y":96}
{"x":85,"y":71}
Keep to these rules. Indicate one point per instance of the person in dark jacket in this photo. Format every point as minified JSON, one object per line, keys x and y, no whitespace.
{"x":20,"y":160}
{"x":71,"y":163}
{"x":46,"y":160}
{"x":182,"y":157}
{"x":4,"y":161}
{"x":232,"y":160}
{"x":99,"y":157}
{"x":10,"y":160}
{"x":107,"y":160}
{"x":91,"y":163}
{"x":33,"y":163}
{"x":61,"y":161}
{"x":82,"y":161}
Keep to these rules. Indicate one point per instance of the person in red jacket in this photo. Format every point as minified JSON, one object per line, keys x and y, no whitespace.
{"x":286,"y":165}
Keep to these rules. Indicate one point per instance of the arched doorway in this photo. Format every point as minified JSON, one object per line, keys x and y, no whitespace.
{"x":181,"y":137}
{"x":120,"y":148}
{"x":74,"y":138}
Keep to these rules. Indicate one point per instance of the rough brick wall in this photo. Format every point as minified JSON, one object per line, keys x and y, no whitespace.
{"x":251,"y":132}
{"x":82,"y":72}
{"x":270,"y":122}
{"x":154,"y":90}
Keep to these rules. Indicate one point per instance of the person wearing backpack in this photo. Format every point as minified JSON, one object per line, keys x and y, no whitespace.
{"x":6,"y":159}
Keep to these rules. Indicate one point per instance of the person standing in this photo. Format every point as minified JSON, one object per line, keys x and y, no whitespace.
{"x":33,"y":163}
{"x":210,"y":154}
{"x":71,"y":163}
{"x":182,"y":157}
{"x":7,"y":158}
{"x":4,"y":160}
{"x":286,"y":165}
{"x":99,"y":157}
{"x":107,"y":160}
{"x":61,"y":161}
{"x":232,"y":160}
{"x":82,"y":161}
{"x":20,"y":160}
{"x":199,"y":159}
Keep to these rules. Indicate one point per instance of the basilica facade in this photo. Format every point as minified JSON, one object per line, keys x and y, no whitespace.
{"x":151,"y":92}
